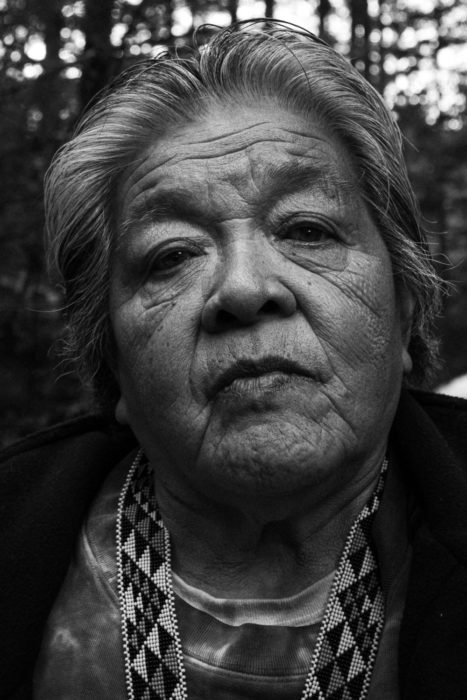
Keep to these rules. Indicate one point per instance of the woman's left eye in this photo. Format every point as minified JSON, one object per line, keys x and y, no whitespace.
{"x":307,"y":233}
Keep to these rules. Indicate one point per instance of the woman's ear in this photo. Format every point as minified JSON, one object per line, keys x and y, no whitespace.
{"x":121,"y":408}
{"x":406,"y":311}
{"x":121,"y":412}
{"x":407,"y":363}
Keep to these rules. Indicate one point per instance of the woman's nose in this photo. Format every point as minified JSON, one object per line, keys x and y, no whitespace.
{"x":248,"y":290}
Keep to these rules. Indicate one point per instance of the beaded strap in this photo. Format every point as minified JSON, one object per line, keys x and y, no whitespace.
{"x":349,"y":635}
{"x":348,"y":639}
{"x":151,"y":642}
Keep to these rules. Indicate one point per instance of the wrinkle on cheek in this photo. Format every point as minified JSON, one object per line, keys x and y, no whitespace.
{"x":364,"y":319}
{"x":340,"y":358}
{"x":363,"y":291}
{"x":148,"y":354}
{"x":135,"y":330}
{"x":157,"y":310}
{"x":159,"y":295}
{"x":329,"y":259}
{"x":368,"y":284}
{"x":339,"y":363}
{"x":372,"y":288}
{"x":367,"y":342}
{"x":339,"y":406}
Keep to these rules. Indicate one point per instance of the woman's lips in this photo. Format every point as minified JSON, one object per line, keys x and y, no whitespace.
{"x":266,"y":374}
{"x":262,"y":383}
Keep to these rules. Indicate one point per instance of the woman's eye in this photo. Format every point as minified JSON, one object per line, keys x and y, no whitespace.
{"x":170,"y":260}
{"x":308,"y":233}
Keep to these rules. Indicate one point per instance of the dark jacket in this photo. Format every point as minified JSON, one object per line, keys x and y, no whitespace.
{"x":48,"y":481}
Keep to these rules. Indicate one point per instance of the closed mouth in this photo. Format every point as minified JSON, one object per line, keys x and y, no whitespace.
{"x":254,"y":369}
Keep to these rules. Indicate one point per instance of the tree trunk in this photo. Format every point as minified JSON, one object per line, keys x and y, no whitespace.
{"x":360,"y":36}
{"x":98,"y":52}
{"x":269,"y":9}
{"x":382,"y":77}
{"x":48,"y":92}
{"x":323,"y":13}
{"x":232,"y":7}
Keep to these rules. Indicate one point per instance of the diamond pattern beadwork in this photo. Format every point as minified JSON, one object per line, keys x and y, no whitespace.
{"x":348,"y":639}
{"x":345,"y":651}
{"x":153,"y":654}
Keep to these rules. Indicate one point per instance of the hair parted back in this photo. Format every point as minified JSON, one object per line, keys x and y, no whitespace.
{"x":244,"y":62}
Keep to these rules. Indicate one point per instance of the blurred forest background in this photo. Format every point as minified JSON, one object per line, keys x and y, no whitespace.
{"x":56,"y":54}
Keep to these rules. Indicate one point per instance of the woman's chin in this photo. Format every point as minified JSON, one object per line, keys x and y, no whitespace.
{"x":270,"y":460}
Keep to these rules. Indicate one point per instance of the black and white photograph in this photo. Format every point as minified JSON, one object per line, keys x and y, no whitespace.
{"x":233,"y":357}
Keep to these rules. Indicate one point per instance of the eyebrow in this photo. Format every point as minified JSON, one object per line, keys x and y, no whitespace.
{"x":161,"y":205}
{"x":290,"y":178}
{"x":280,"y":181}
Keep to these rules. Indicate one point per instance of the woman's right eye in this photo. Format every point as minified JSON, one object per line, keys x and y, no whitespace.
{"x":170,"y":259}
{"x":170,"y":256}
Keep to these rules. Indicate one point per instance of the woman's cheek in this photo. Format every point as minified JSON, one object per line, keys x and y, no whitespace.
{"x":162,"y":290}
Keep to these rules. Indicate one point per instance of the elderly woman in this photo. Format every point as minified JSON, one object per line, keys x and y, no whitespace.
{"x":249,"y":288}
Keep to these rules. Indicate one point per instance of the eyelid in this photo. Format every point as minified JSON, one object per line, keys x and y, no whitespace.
{"x":166,"y":247}
{"x":312,"y":220}
{"x":335,"y":228}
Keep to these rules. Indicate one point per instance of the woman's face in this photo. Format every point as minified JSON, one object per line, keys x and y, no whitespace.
{"x":259,"y":344}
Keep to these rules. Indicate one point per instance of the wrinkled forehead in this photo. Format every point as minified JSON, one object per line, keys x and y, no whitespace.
{"x":258,"y":151}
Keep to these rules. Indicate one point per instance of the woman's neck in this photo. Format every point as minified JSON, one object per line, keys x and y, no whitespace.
{"x":247,"y":551}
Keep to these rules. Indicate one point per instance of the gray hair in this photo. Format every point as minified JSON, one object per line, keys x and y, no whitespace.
{"x":242,"y":62}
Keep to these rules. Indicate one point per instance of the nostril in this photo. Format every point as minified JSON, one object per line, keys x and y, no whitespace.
{"x":270,"y":307}
{"x":225,"y":318}
{"x":234,"y":305}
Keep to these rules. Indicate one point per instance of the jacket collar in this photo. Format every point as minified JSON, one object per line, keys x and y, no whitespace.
{"x":433,"y":638}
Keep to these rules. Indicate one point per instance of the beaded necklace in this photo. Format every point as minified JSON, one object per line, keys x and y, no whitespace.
{"x":345,"y":651}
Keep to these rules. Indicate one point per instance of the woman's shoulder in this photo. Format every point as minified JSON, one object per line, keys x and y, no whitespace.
{"x":439,"y":402}
{"x":47,"y":482}
{"x":62,"y":465}
{"x":82,"y":433}
{"x":449,"y":415}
